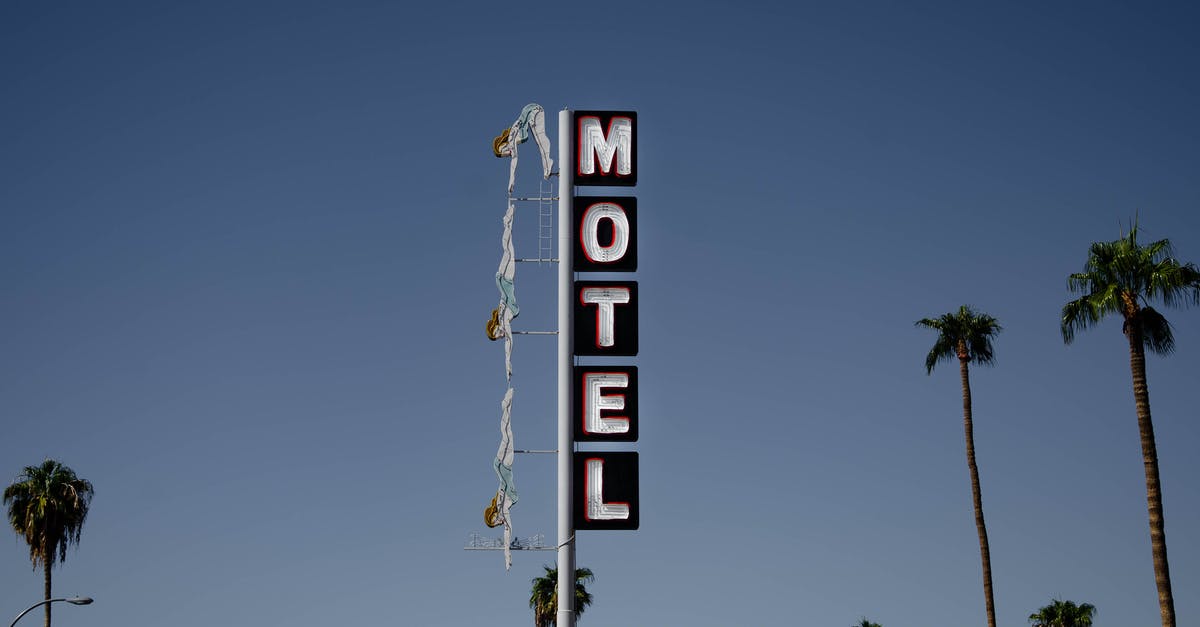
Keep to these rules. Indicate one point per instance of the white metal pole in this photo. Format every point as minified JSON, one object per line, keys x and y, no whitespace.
{"x":566,"y":533}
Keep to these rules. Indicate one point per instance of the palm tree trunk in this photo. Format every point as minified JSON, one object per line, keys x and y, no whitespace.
{"x":1158,"y":538}
{"x":984,"y":554}
{"x":46,"y":564}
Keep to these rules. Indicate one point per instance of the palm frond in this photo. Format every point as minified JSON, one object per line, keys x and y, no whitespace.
{"x":1123,"y":277}
{"x":1078,"y":315}
{"x":48,"y":505}
{"x":1174,"y":282}
{"x":1061,"y":613}
{"x":1155,"y":331}
{"x":543,"y":599}
{"x":942,"y":350}
{"x":965,"y":333}
{"x":980,"y":331}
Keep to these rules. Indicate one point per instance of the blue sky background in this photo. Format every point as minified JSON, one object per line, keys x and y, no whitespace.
{"x":247,"y":251}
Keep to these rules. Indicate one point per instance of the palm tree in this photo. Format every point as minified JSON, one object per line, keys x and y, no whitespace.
{"x":967,"y":334}
{"x":865,"y":623}
{"x":1063,"y":614}
{"x":543,"y":599}
{"x":1123,"y":277}
{"x":48,"y":504}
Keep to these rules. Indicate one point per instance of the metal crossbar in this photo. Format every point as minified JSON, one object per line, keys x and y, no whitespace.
{"x":536,"y":542}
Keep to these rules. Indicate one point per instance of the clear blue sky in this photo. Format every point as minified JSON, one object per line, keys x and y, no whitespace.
{"x":247,"y":252}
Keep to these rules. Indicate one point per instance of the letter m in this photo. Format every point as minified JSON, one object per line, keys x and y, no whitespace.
{"x":600,"y":148}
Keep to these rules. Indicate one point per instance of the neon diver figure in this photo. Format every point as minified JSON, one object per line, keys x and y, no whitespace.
{"x":532,"y":121}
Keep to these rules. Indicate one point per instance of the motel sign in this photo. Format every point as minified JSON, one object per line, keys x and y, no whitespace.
{"x":605,"y":321}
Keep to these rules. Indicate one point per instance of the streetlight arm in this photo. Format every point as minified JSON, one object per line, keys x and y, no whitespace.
{"x":72,"y":601}
{"x":32,"y":608}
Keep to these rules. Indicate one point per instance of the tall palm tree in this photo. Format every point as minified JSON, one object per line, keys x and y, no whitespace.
{"x":543,"y":600}
{"x":967,"y":335}
{"x":48,"y":504}
{"x":1123,"y":277}
{"x":865,"y":623}
{"x":1063,"y":614}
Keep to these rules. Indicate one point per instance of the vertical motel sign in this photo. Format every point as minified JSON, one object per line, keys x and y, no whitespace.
{"x":605,"y":398}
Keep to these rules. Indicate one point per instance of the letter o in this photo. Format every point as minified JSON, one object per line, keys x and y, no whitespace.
{"x":589,"y":232}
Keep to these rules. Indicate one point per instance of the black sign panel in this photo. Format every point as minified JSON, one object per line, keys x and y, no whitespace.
{"x":606,"y":491}
{"x":606,"y":321}
{"x":606,"y":148}
{"x":606,"y":404}
{"x":607,"y":234}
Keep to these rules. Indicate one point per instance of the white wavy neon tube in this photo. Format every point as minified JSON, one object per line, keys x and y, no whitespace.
{"x":591,"y":224}
{"x":507,"y":492}
{"x":596,"y":400}
{"x":605,"y":298}
{"x":597,"y":509}
{"x":505,"y":275}
{"x":594,"y":143}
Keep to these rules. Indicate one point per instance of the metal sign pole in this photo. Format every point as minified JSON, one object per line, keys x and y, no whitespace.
{"x":566,"y":533}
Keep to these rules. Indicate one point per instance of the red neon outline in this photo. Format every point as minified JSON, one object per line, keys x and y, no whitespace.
{"x":586,"y":492}
{"x":583,"y":405}
{"x":585,"y":304}
{"x":579,"y":228}
{"x":615,"y":171}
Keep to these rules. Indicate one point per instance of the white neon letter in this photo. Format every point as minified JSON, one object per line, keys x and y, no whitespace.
{"x":594,"y":401}
{"x":597,"y":509}
{"x":589,"y":227}
{"x":593,"y":143}
{"x":605,"y":297}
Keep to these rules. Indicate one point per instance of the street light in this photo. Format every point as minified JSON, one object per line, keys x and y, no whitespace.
{"x":72,"y":601}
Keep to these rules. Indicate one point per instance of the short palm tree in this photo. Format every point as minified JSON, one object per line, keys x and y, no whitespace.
{"x":967,"y":335}
{"x":1063,"y":614}
{"x":543,"y":600}
{"x":1123,"y":277}
{"x":47,"y":504}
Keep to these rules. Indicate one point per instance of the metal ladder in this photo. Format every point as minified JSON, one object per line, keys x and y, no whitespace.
{"x":546,"y":206}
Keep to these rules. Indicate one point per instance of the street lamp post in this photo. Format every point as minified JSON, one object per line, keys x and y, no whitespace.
{"x":72,"y":601}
